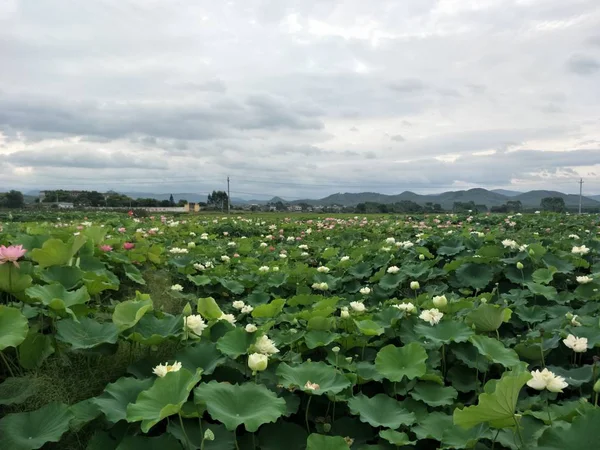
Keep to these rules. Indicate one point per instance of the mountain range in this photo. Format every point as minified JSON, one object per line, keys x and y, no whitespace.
{"x":495,"y":197}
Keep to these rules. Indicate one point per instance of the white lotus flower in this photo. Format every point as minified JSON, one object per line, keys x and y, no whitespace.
{"x":191,"y":244}
{"x":344,"y":258}
{"x":509,"y":243}
{"x":357,"y":306}
{"x":311,"y":386}
{"x":546,"y":380}
{"x":573,"y":236}
{"x":177,"y":250}
{"x":263,"y":269}
{"x":320,"y":286}
{"x":365,"y":291}
{"x":393,"y":269}
{"x":177,"y":288}
{"x":414,"y":285}
{"x":265,"y":345}
{"x":195,"y":323}
{"x":162,"y":369}
{"x":238,"y":304}
{"x":250,"y":328}
{"x":584,"y":279}
{"x":440,"y":301}
{"x":228,"y":317}
{"x":247,"y":309}
{"x":303,"y":247}
{"x":323,"y":269}
{"x":258,"y":362}
{"x":406,"y":307}
{"x":433,"y":316}
{"x":344,"y":313}
{"x":225,"y":258}
{"x":390,"y":240}
{"x":199,"y":267}
{"x":577,"y":344}
{"x":581,"y":250}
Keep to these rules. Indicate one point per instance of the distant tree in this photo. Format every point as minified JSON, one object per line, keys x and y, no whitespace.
{"x":14,"y":199}
{"x":361,"y":208}
{"x":217,"y":200}
{"x":553,"y":204}
{"x":171,"y":200}
{"x":463,"y":207}
{"x":514,"y":206}
{"x":165,"y":203}
{"x":500,"y":209}
{"x":182,"y":202}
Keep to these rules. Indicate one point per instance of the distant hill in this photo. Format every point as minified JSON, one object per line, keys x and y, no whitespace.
{"x":480,"y":196}
{"x":506,"y":192}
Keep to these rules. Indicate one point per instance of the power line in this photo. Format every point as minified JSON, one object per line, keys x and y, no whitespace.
{"x":580,"y":193}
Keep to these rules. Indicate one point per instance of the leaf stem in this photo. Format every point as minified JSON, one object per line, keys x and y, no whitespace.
{"x":237,"y":447}
{"x":7,"y":365}
{"x":306,"y":414}
{"x":187,"y":439}
{"x":518,"y":430}
{"x":548,"y":410}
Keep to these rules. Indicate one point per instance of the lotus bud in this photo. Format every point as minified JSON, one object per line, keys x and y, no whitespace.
{"x":209,"y":435}
{"x":440,"y":301}
{"x":335,"y":349}
{"x":414,"y":285}
{"x":422,"y":257}
{"x":258,"y":362}
{"x":531,"y":252}
{"x":569,"y":316}
{"x":326,"y":427}
{"x":597,"y":386}
{"x":484,"y":300}
{"x":520,"y":265}
{"x":187,"y":310}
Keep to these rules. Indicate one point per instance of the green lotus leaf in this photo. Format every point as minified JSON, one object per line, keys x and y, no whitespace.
{"x":87,"y":333}
{"x":199,"y":280}
{"x":461,"y":378}
{"x":130,"y":312}
{"x":224,"y":440}
{"x":495,"y":350}
{"x":17,"y":281}
{"x":574,"y":377}
{"x":68,"y":276}
{"x":54,"y":252}
{"x":152,"y":330}
{"x":531,"y":430}
{"x":566,"y":411}
{"x":208,"y":308}
{"x":13,"y":327}
{"x":276,"y":279}
{"x":34,"y":350}
{"x":538,"y":289}
{"x":235,"y":404}
{"x":203,"y":354}
{"x":584,"y":433}
{"x":352,"y":427}
{"x":329,"y":379}
{"x":389,"y":281}
{"x":395,"y":363}
{"x":380,"y":411}
{"x":165,"y":398}
{"x":269,"y":310}
{"x":396,"y":438}
{"x":83,"y":412}
{"x":477,"y":276}
{"x":232,"y":286}
{"x":100,"y":281}
{"x":369,"y":327}
{"x":162,"y":442}
{"x":543,"y":276}
{"x":282,"y":436}
{"x":134,"y":274}
{"x":433,"y":394}
{"x":487,"y":317}
{"x":360,"y":270}
{"x":444,"y":332}
{"x":318,"y":338}
{"x":117,"y":396}
{"x":15,"y":390}
{"x":235,"y":342}
{"x":497,"y":408}
{"x":31,"y":430}
{"x":55,"y":296}
{"x":322,"y":442}
{"x":433,"y":426}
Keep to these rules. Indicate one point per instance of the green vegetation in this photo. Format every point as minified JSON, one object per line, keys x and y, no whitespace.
{"x":278,"y":331}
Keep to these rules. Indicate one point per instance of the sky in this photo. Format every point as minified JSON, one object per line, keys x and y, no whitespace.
{"x":299,"y":98}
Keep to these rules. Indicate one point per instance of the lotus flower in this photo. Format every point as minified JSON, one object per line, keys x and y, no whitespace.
{"x":11,"y":254}
{"x":106,"y":248}
{"x":128,"y":245}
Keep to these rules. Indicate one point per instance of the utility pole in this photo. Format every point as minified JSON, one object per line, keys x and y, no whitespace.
{"x":580,"y":192}
{"x":228,"y":201}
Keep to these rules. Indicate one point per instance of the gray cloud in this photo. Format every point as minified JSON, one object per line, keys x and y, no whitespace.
{"x":299,"y":98}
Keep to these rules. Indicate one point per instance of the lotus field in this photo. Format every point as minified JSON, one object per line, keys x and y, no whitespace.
{"x":288,"y":333}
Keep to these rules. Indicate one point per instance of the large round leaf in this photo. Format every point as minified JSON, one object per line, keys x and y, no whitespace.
{"x":327,"y":377}
{"x":31,"y":430}
{"x":235,"y":342}
{"x":13,"y":327}
{"x":477,"y":276}
{"x":68,"y":276}
{"x":19,"y":281}
{"x":87,"y":333}
{"x":152,"y":330}
{"x":583,"y":434}
{"x":444,"y":332}
{"x":322,"y":442}
{"x":224,"y":440}
{"x":128,"y":313}
{"x":55,"y":296}
{"x":380,"y":411}
{"x":235,"y":404}
{"x":495,"y":350}
{"x":34,"y":350}
{"x":117,"y":396}
{"x":433,"y":394}
{"x":395,"y":363}
{"x":203,"y":354}
{"x":165,"y":398}
{"x":488,"y":317}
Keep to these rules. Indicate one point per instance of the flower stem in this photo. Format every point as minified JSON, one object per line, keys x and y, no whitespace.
{"x":444,"y":360}
{"x":542,"y":352}
{"x":306,"y":414}
{"x":518,"y":430}
{"x":7,"y":364}
{"x":237,"y":447}
{"x":187,"y":439}
{"x":548,"y":410}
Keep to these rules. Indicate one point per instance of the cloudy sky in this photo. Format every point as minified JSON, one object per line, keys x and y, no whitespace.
{"x":299,"y":98}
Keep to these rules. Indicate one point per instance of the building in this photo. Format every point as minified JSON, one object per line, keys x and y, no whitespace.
{"x":64,"y":205}
{"x":192,"y":207}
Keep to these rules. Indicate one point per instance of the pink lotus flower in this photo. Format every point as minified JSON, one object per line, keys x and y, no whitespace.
{"x":128,"y":245}
{"x":11,"y":254}
{"x":122,"y":230}
{"x":236,"y":255}
{"x":106,"y":248}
